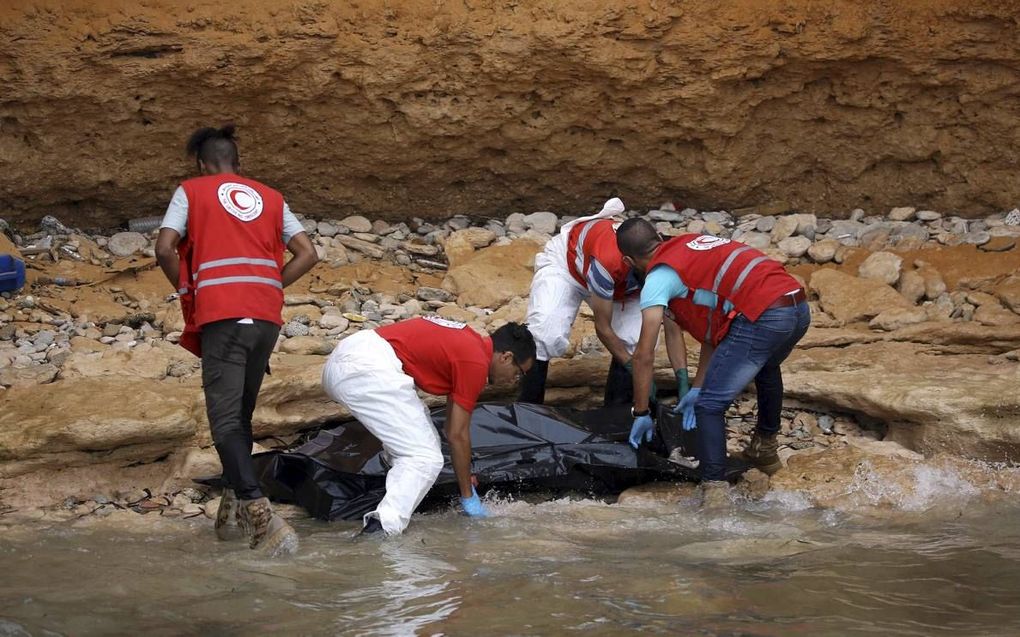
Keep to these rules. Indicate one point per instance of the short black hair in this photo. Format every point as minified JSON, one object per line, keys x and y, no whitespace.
{"x":637,"y":237}
{"x":516,"y":339}
{"x":214,"y":146}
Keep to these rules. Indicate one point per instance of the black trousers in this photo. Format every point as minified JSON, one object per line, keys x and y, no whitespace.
{"x":234,"y":360}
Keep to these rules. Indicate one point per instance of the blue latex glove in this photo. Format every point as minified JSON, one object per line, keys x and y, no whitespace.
{"x":642,"y":428}
{"x":473,"y":506}
{"x":686,"y":406}
{"x":683,"y":383}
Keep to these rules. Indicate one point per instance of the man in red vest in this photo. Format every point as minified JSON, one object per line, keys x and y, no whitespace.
{"x":221,"y":245}
{"x":375,"y":374}
{"x":583,"y":264}
{"x":748,"y":314}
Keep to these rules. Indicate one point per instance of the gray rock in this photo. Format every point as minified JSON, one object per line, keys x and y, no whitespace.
{"x":758,"y":240}
{"x":334,"y":321}
{"x":7,"y":332}
{"x":356,"y":223}
{"x":52,"y":225}
{"x":381,"y":227}
{"x":822,"y":226}
{"x":458,"y":222}
{"x":720,"y":217}
{"x":696,"y":226}
{"x":794,"y":246}
{"x":904,"y":213}
{"x":908,"y":230}
{"x":124,"y":244}
{"x":665,"y":215}
{"x":497,"y":228}
{"x":309,"y":225}
{"x":43,"y":339}
{"x":826,"y":423}
{"x":295,"y":328}
{"x":846,"y":232}
{"x":785,"y":227}
{"x":823,"y":251}
{"x":856,"y":214}
{"x":928,"y":215}
{"x":881,"y":266}
{"x":806,"y":224}
{"x":977,"y":238}
{"x":544,"y":222}
{"x":435,"y":294}
{"x":326,"y":229}
{"x":515,"y":223}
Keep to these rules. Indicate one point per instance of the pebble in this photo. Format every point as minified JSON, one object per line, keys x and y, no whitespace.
{"x":124,"y":244}
{"x":295,"y":328}
{"x":795,"y":246}
{"x":434,"y":294}
{"x":765,"y":224}
{"x":928,"y":215}
{"x":904,"y":213}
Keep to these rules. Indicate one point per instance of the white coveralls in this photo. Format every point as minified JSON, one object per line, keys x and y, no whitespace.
{"x":364,"y":374}
{"x":556,"y":296}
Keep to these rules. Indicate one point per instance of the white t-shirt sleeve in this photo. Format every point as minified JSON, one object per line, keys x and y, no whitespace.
{"x":291,"y":225}
{"x":176,"y":217}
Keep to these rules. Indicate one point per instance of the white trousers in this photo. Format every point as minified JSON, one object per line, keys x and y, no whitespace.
{"x":364,"y":374}
{"x":556,"y":297}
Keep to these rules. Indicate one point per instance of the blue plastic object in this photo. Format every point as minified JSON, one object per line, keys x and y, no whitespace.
{"x":12,"y":273}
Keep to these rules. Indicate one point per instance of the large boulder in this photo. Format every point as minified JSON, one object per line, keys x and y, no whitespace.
{"x":850,"y":299}
{"x":968,"y":406}
{"x":494,"y":274}
{"x":88,"y":420}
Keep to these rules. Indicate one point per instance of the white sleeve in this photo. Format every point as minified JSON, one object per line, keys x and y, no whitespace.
{"x":176,"y":217}
{"x":291,"y":225}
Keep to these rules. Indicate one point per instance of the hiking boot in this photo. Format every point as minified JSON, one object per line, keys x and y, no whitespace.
{"x":715,"y":495}
{"x":267,"y":532}
{"x":226,"y":517}
{"x":763,"y":453}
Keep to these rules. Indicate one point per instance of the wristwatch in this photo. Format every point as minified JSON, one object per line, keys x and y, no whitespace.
{"x":638,"y":414}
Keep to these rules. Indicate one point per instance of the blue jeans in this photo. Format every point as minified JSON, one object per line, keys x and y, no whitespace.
{"x":749,"y":351}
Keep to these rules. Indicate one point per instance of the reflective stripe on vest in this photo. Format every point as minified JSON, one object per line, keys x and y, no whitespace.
{"x":233,"y":261}
{"x":240,"y":279}
{"x":219,"y":263}
{"x":723,"y":269}
{"x":747,"y":270}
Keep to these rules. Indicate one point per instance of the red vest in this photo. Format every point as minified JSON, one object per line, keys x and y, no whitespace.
{"x":232,"y":255}
{"x":735,"y":272}
{"x":597,"y":238}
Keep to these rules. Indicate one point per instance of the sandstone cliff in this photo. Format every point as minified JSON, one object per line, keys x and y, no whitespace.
{"x":425,"y":108}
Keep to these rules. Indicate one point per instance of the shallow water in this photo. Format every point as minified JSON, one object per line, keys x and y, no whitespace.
{"x":559,"y":567}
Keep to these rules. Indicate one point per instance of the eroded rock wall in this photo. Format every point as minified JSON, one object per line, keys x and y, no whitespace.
{"x":432,"y":108}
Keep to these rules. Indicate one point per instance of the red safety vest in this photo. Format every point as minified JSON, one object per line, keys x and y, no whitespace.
{"x":597,"y":238}
{"x":734,"y":272}
{"x":232,"y":255}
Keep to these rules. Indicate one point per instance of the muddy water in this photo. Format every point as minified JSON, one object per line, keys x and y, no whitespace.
{"x":947,"y":566}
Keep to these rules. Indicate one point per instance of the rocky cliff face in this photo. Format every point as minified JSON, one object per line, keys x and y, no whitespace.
{"x":428,"y":109}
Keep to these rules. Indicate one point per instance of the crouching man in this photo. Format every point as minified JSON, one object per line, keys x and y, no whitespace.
{"x":374,"y":373}
{"x":748,"y":314}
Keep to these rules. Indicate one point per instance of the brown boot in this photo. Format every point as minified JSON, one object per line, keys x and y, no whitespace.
{"x":763,"y":453}
{"x":267,"y":532}
{"x":715,"y":495}
{"x":227,"y":516}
